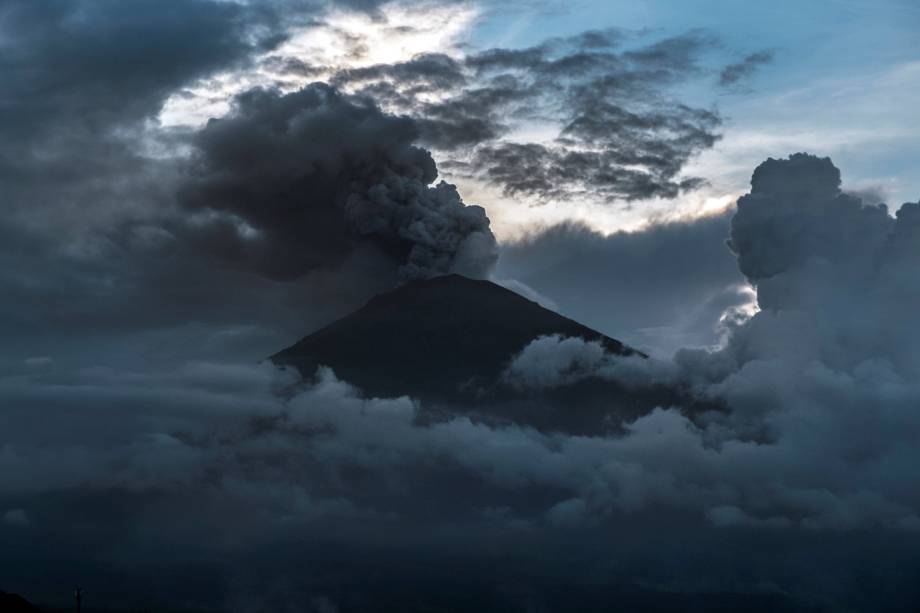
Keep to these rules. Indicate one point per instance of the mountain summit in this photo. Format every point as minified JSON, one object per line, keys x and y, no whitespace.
{"x":448,"y":340}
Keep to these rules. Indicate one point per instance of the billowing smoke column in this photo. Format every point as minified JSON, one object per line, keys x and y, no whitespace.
{"x":305,"y":180}
{"x":829,"y":268}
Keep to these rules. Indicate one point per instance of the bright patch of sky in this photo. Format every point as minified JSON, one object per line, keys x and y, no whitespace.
{"x":343,"y":39}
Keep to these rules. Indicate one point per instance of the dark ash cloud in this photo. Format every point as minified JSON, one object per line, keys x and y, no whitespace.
{"x":307,"y":178}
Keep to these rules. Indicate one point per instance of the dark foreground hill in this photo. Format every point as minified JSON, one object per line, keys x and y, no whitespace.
{"x":13,"y":603}
{"x":448,"y":340}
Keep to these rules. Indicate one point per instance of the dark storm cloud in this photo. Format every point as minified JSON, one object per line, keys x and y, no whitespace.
{"x":733,"y":73}
{"x":797,"y":213}
{"x":661,"y":288}
{"x":621,"y":136}
{"x":97,"y":64}
{"x":213,"y":470}
{"x":80,"y":81}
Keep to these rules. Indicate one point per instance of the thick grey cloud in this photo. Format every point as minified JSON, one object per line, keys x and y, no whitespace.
{"x":84,"y":180}
{"x":819,"y":384}
{"x":824,"y":261}
{"x":314,"y":175}
{"x":82,"y":81}
{"x":213,"y":464}
{"x":556,"y":361}
{"x":86,"y":63}
{"x":658,"y":289}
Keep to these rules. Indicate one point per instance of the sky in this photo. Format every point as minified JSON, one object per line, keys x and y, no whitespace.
{"x":842,"y":80}
{"x":730,"y":189}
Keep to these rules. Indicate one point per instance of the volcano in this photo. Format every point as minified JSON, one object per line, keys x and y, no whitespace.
{"x":448,"y":340}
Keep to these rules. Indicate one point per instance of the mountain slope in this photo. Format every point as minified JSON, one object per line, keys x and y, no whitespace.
{"x":432,"y":338}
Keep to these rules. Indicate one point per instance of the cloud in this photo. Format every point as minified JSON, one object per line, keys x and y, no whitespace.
{"x":659,"y":289}
{"x":818,"y":254}
{"x":86,"y":177}
{"x":71,"y":76}
{"x":305,"y":179}
{"x":620,"y":135}
{"x":227,"y":433}
{"x":733,"y":73}
{"x":222,"y":462}
{"x":550,"y":361}
{"x":829,"y":354}
{"x":554,"y":361}
{"x":84,"y":77}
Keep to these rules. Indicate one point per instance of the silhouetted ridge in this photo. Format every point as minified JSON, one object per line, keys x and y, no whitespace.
{"x":13,"y":603}
{"x":437,"y":339}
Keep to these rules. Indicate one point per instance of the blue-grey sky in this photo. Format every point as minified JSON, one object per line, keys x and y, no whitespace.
{"x":844,"y":80}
